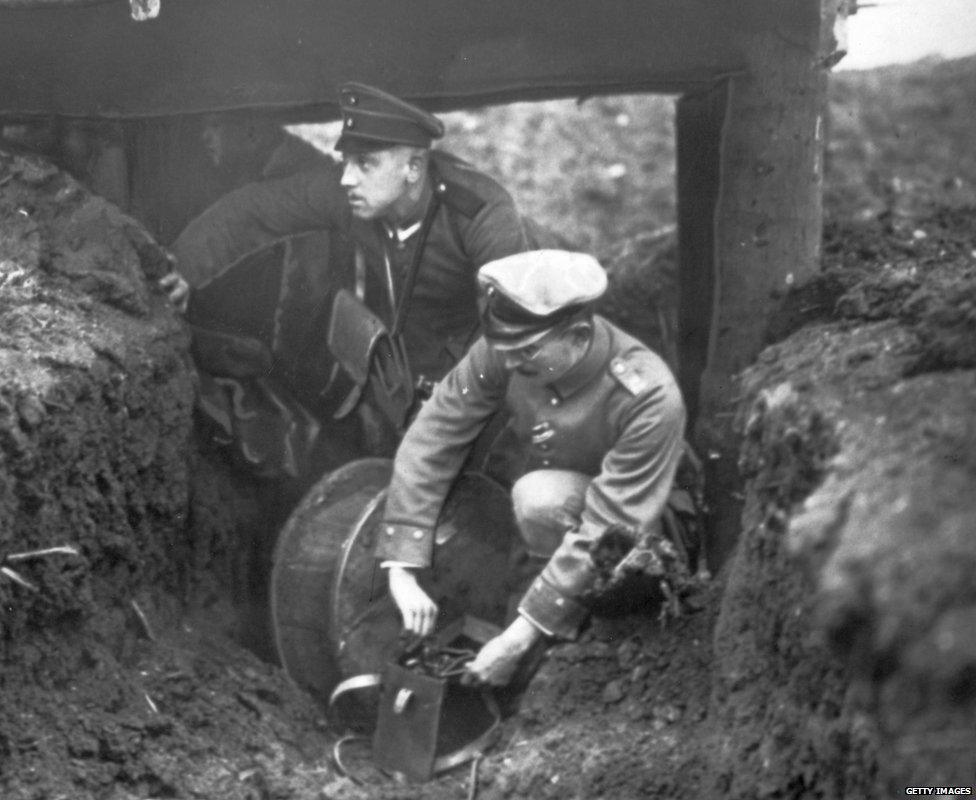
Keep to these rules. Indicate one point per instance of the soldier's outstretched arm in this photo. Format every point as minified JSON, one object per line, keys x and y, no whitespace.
{"x":255,"y":216}
{"x":433,"y":451}
{"x":497,"y":661}
{"x":631,"y":490}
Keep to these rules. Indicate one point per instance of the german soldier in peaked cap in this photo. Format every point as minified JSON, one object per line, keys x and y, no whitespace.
{"x":375,"y":120}
{"x":390,"y":180}
{"x":600,"y":423}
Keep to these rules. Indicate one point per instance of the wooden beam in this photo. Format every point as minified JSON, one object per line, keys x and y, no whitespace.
{"x":768,"y":227}
{"x":203,"y":55}
{"x":4,"y":4}
{"x":699,"y":121}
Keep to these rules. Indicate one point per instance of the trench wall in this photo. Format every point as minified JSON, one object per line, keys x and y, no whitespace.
{"x":845,"y":648}
{"x":95,"y":412}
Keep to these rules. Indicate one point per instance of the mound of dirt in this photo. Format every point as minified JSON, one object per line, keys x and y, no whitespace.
{"x":95,"y":402}
{"x":883,"y":538}
{"x":886,"y":535}
{"x":109,"y":691}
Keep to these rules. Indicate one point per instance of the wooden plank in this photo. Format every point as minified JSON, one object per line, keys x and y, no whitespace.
{"x":767,"y":234}
{"x":291,"y":54}
{"x":699,"y":120}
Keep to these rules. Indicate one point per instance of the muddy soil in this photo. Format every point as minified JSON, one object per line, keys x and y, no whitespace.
{"x":833,"y":656}
{"x":109,"y":688}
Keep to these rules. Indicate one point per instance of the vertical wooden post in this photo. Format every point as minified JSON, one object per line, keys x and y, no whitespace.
{"x":698,"y":126}
{"x":767,"y":228}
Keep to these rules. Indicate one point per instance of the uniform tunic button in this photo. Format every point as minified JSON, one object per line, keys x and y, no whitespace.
{"x":554,"y":401}
{"x":545,"y":462}
{"x":390,"y":530}
{"x":560,"y":601}
{"x":544,"y":447}
{"x":418,"y":534}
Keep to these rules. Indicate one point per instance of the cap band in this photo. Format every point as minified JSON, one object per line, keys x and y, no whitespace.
{"x":372,"y":118}
{"x":381,"y":128}
{"x":509,"y":324}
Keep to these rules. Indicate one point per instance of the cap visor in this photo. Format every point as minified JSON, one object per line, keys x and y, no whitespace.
{"x":515,"y":344}
{"x":357,"y":144}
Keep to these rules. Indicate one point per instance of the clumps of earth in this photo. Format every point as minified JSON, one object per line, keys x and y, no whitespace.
{"x":118,"y":678}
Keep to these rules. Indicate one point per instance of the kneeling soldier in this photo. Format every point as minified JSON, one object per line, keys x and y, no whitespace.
{"x":600,"y":423}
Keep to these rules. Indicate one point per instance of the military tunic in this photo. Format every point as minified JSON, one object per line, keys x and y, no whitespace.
{"x":476,"y":222}
{"x":617,"y":415}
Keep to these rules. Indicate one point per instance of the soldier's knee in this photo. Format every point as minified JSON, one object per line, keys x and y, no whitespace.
{"x":547,"y":503}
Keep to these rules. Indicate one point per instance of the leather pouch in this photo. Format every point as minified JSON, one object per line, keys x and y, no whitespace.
{"x":408,"y":722}
{"x":368,"y":354}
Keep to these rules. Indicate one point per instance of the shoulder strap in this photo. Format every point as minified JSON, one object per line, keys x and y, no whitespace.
{"x":400,"y":316}
{"x":461,"y":199}
{"x":627,"y":376}
{"x":454,"y":193}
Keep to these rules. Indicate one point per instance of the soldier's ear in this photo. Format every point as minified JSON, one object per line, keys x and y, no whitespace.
{"x":581,"y":331}
{"x":416,"y":164}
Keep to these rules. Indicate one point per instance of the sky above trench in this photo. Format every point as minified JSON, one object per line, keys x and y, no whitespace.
{"x":898,"y":31}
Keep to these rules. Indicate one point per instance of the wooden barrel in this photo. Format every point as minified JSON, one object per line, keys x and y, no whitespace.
{"x":331,"y":612}
{"x":306,"y":554}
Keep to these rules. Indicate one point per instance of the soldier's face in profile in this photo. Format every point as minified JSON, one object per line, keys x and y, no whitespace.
{"x":376,"y":181}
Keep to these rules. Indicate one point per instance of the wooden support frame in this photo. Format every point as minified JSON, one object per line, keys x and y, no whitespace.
{"x":750,"y":177}
{"x":89,"y":58}
{"x":699,"y":120}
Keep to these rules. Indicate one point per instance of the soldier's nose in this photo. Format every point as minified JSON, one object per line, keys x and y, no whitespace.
{"x":348,"y":175}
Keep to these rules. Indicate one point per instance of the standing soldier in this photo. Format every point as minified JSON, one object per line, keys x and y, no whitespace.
{"x":600,"y":422}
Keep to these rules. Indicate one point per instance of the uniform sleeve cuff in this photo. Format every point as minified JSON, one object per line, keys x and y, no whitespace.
{"x":551,"y":611}
{"x":535,"y":624}
{"x":409,"y":545}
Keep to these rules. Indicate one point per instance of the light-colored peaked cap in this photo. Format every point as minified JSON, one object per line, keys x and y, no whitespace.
{"x":527,"y":294}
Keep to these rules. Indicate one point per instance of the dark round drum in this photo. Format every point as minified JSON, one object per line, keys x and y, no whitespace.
{"x":331,"y":612}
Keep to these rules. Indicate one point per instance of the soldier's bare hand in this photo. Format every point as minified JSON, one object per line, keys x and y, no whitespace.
{"x":419,"y":612}
{"x":177,"y":289}
{"x":497,"y":661}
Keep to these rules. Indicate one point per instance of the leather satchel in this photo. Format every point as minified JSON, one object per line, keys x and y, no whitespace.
{"x":428,"y":722}
{"x":368,"y":355}
{"x":268,"y":431}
